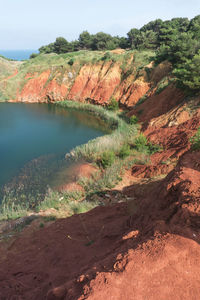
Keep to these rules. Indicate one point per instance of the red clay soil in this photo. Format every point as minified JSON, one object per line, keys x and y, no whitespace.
{"x":143,"y":249}
{"x":80,"y":170}
{"x":159,"y":104}
{"x":174,"y":141}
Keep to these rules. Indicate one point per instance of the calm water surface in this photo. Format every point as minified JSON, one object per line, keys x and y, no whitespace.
{"x":34,"y":139}
{"x":17,"y":54}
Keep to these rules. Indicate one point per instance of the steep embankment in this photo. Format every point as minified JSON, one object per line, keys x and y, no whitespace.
{"x":91,"y":76}
{"x":144,"y":248}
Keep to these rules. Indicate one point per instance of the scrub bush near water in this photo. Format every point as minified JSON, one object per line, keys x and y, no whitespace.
{"x":113,"y":105}
{"x":107,"y":159}
{"x":141,"y":144}
{"x":125,"y":151}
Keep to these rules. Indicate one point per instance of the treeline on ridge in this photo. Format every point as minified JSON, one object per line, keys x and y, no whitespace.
{"x":176,"y":40}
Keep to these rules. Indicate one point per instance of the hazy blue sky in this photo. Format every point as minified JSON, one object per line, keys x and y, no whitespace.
{"x":28,"y":24}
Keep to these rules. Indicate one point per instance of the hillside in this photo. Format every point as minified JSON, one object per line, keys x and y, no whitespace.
{"x":143,"y":241}
{"x":94,"y":76}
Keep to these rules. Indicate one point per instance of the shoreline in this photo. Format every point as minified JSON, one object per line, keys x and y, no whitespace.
{"x":90,"y":152}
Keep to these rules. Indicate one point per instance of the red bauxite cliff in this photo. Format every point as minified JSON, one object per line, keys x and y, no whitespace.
{"x":97,"y":82}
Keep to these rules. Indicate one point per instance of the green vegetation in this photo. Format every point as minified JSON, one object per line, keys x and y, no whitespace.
{"x":107,"y":159}
{"x":122,"y":133}
{"x":71,"y":62}
{"x":150,"y":36}
{"x":113,"y":105}
{"x":133,"y":120}
{"x":86,"y":41}
{"x":195,"y":141}
{"x":162,"y":85}
{"x":10,"y":211}
{"x":101,"y":182}
{"x":125,"y":151}
{"x":34,"y":55}
{"x":142,"y":145}
{"x":7,"y":68}
{"x":70,"y":202}
{"x":181,"y":46}
{"x":176,"y":40}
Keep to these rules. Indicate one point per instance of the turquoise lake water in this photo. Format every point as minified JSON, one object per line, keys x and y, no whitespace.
{"x":34,"y":139}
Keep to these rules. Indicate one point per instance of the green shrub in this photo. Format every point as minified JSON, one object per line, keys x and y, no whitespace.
{"x":153,"y":148}
{"x":33,"y":55}
{"x":107,"y":159}
{"x":161,"y":86}
{"x":125,"y":151}
{"x":107,"y":56}
{"x":49,"y":218}
{"x":113,"y":105}
{"x":71,"y":62}
{"x":133,"y":120}
{"x":195,"y":140}
{"x":141,"y":143}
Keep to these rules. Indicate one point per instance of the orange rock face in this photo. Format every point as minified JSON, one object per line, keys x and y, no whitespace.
{"x":95,"y":82}
{"x":37,"y":89}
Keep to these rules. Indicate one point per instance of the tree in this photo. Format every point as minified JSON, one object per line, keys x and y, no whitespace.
{"x":101,"y":41}
{"x":153,"y":25}
{"x":85,"y":40}
{"x":169,"y":30}
{"x":47,"y":49}
{"x":61,"y":45}
{"x":188,"y":73}
{"x":123,"y":43}
{"x":134,"y":38}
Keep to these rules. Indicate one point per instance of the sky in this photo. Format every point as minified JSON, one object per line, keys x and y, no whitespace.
{"x":28,"y":24}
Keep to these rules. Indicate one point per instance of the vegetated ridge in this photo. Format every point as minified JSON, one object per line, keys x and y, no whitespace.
{"x":143,"y":242}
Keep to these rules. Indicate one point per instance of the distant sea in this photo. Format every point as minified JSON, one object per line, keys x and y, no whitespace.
{"x":18,"y":54}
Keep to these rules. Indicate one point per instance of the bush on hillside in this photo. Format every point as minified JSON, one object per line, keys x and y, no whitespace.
{"x":71,"y":62}
{"x":33,"y":55}
{"x":107,"y":159}
{"x":140,"y":143}
{"x":124,"y":151}
{"x":133,"y":120}
{"x":153,"y":148}
{"x":113,"y":105}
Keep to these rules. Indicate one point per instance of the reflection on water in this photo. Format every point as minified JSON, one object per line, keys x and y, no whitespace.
{"x":34,"y":139}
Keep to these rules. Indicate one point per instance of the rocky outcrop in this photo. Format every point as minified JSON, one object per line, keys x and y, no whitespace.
{"x":97,"y":82}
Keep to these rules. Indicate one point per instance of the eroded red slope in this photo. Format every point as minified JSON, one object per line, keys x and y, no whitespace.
{"x":146,"y":249}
